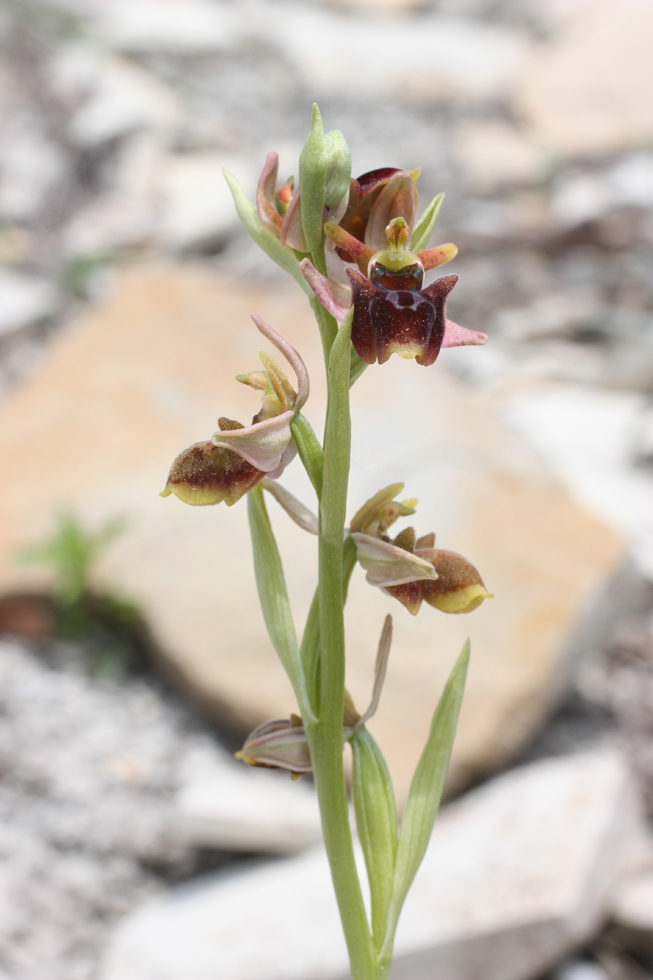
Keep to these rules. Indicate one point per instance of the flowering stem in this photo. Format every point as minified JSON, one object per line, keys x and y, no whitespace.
{"x":325,"y":735}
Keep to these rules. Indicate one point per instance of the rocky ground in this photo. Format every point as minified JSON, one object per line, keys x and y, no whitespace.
{"x":115,"y":128}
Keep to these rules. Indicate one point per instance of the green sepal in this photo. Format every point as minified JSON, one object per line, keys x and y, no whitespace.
{"x":273,"y":595}
{"x":269,"y":243}
{"x":425,"y":793}
{"x":425,"y":224}
{"x":376,"y":821}
{"x":313,"y":165}
{"x":338,"y":172}
{"x":309,"y":449}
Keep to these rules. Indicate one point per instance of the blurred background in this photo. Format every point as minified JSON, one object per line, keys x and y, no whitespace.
{"x":133,"y":657}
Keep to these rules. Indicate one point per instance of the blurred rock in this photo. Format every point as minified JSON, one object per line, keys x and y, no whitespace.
{"x":587,"y":436}
{"x":124,"y":215}
{"x":182,"y":27}
{"x":227,"y":805}
{"x":111,"y":96}
{"x":581,"y":970}
{"x":493,"y":154}
{"x":196,"y":208}
{"x":517,"y":874}
{"x":31,"y":165}
{"x":558,"y":314}
{"x":632,"y":911}
{"x":572,"y":104}
{"x":379,"y":6}
{"x":445,"y":59}
{"x":24,"y":300}
{"x":146,"y":375}
{"x":582,"y":197}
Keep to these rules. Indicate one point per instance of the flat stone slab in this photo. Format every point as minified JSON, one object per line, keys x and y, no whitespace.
{"x":141,"y":377}
{"x":517,"y":874}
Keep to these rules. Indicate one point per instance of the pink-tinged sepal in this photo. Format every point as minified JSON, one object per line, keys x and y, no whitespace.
{"x":265,"y":195}
{"x":292,"y":233}
{"x":334,"y":297}
{"x":457,"y":336}
{"x":431,"y":258}
{"x":398,"y":199}
{"x":389,"y":565}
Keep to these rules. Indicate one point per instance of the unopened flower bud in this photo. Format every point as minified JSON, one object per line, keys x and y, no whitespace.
{"x":279,"y":744}
{"x":381,"y":511}
{"x":338,"y":174}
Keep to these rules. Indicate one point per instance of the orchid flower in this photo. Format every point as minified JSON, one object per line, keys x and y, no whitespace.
{"x":392,"y":312}
{"x":413,"y":571}
{"x":238,"y":457}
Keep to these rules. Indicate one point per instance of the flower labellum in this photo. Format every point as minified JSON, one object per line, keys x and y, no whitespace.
{"x":392,"y":315}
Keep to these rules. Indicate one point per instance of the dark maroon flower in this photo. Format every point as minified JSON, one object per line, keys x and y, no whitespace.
{"x":392,"y":315}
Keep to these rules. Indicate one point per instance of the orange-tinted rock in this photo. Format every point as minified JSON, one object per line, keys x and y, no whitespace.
{"x":147,"y":374}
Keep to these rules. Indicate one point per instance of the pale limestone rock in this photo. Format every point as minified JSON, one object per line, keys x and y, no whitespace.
{"x":24,"y":300}
{"x":494,"y":153}
{"x":195,"y":203}
{"x":31,"y":165}
{"x":517,"y":874}
{"x":588,"y":437}
{"x":170,"y":26}
{"x":145,"y":375}
{"x":587,"y":90}
{"x":444,"y":58}
{"x":111,"y":96}
{"x":230,"y":806}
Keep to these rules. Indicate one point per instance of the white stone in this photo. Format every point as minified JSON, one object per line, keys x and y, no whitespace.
{"x":494,"y":153}
{"x":586,"y":91}
{"x":171,"y":26}
{"x":30,"y":167}
{"x":588,"y":438}
{"x":125,"y":215}
{"x":632,"y":905}
{"x":517,"y":874}
{"x":195,"y":203}
{"x":24,"y":300}
{"x":581,"y":970}
{"x":443,"y":58}
{"x":550,"y":315}
{"x":228,"y":805}
{"x":112,"y":96}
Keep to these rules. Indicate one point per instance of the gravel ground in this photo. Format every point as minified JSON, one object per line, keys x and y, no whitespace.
{"x":88,"y":774}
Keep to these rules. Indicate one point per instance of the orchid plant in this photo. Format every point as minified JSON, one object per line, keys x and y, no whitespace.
{"x":360,"y":254}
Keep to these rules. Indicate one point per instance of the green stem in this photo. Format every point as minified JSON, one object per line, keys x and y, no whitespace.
{"x":325,"y":735}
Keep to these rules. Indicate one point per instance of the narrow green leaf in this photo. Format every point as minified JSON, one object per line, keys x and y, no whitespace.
{"x":273,"y":594}
{"x":309,"y":449}
{"x":313,"y":164}
{"x":424,"y":225}
{"x":425,"y":791}
{"x":263,"y":237}
{"x":376,"y":821}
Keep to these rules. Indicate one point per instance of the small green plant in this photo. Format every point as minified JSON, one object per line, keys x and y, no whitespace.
{"x":105,"y":621}
{"x":359,"y":252}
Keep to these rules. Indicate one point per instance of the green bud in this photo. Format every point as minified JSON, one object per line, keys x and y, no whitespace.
{"x":376,"y":821}
{"x":313,"y":166}
{"x":338,"y":173}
